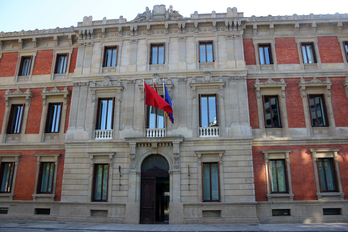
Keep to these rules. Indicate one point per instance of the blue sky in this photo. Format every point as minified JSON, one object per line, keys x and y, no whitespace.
{"x":16,"y":15}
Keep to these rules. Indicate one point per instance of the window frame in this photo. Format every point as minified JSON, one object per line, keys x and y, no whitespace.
{"x":103,"y":178}
{"x":216,"y":109}
{"x":279,"y":111}
{"x":10,"y":178}
{"x":105,"y":58}
{"x":9,"y":158}
{"x":11,"y":128}
{"x":152,"y":45}
{"x":345,"y":48}
{"x":323,"y":111}
{"x":305,"y":56}
{"x":28,"y":68}
{"x":51,"y":114}
{"x":334,"y":177}
{"x":206,"y":53}
{"x":50,"y":179}
{"x":285,"y":173}
{"x":98,"y":116}
{"x":262,"y":45}
{"x":59,"y":55}
{"x":210,"y":179}
{"x":148,"y":118}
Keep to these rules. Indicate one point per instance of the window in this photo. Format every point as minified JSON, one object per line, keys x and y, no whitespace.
{"x":105,"y":114}
{"x":61,"y":63}
{"x":206,"y":52}
{"x":157,"y":54}
{"x":110,"y":57}
{"x":6,"y":176}
{"x":46,"y":174}
{"x":15,"y":120}
{"x":327,"y":175}
{"x":24,"y":69}
{"x":100,"y":182}
{"x":211,"y":182}
{"x":208,"y":111}
{"x":272,"y":111}
{"x":318,"y":110}
{"x":53,"y":117}
{"x":155,"y":118}
{"x":308,"y":53}
{"x":278,"y":176}
{"x":265,"y":54}
{"x":346,"y":49}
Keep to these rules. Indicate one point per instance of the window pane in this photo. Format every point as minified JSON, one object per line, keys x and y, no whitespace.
{"x":114,"y":55}
{"x":152,"y":117}
{"x":274,"y":176}
{"x":61,"y":67}
{"x":98,"y":182}
{"x":268,"y":115}
{"x":275,"y":112}
{"x":202,"y":53}
{"x":108,"y":57}
{"x":267,"y":55}
{"x":105,"y":182}
{"x":209,"y":52}
{"x":305,"y":59}
{"x":329,"y":175}
{"x":317,"y":110}
{"x":109,"y":115}
{"x":212,"y":111}
{"x":161,"y":55}
{"x":262,"y":55}
{"x":214,"y":182}
{"x":281,"y":176}
{"x":204,"y":111}
{"x":46,"y":177}
{"x":154,"y":55}
{"x":310,"y":53}
{"x":206,"y":182}
{"x":160,"y":118}
{"x":105,"y":114}
{"x":322,"y":175}
{"x":7,"y":174}
{"x":15,"y":120}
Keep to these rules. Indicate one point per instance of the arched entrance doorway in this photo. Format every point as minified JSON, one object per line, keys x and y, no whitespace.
{"x":154,"y":201}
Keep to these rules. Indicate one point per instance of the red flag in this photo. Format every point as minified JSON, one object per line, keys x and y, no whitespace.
{"x":154,"y":99}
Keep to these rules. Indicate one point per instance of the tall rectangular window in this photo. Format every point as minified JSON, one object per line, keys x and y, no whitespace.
{"x":6,"y":176}
{"x":53,"y":117}
{"x":100,"y":182}
{"x":15,"y":119}
{"x":61,"y":63}
{"x":278,"y":176}
{"x":271,"y":111}
{"x":208,"y":111}
{"x":110,"y":56}
{"x":265,"y":54}
{"x":25,"y":66}
{"x":45,"y":182}
{"x":318,"y":110}
{"x":157,"y":54}
{"x":308,"y":53}
{"x":211,"y":188}
{"x":105,"y":114}
{"x":155,"y":118}
{"x":206,"y":52}
{"x":327,"y":175}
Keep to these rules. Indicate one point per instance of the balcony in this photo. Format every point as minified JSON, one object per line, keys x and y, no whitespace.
{"x":103,"y":134}
{"x":209,"y":132}
{"x":155,"y":133}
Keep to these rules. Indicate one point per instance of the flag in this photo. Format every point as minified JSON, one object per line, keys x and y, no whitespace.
{"x":154,"y":99}
{"x":167,"y":99}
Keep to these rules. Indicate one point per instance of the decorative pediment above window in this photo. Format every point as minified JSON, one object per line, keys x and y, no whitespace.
{"x":18,"y":94}
{"x":207,"y":82}
{"x":55,"y":92}
{"x":315,"y":83}
{"x":270,"y":84}
{"x":106,"y":87}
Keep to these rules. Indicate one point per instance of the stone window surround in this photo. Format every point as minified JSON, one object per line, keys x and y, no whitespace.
{"x":215,"y":56}
{"x":278,"y":154}
{"x":55,"y":54}
{"x":272,"y":88}
{"x":272,"y":42}
{"x":101,"y":158}
{"x":20,"y":55}
{"x":327,"y":153}
{"x":342,"y":40}
{"x":313,"y":40}
{"x":16,"y":97}
{"x":210,"y":156}
{"x":46,"y":157}
{"x":118,"y":58}
{"x":10,"y":158}
{"x":54,"y":96}
{"x":317,"y":87}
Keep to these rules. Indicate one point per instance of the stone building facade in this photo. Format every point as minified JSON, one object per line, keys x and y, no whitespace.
{"x":259,"y":105}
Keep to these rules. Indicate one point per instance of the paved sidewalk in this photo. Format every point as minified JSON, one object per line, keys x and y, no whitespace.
{"x":72,"y":226}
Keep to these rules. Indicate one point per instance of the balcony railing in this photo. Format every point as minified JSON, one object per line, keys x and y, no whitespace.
{"x":103,"y":134}
{"x":209,"y":132}
{"x":152,"y":133}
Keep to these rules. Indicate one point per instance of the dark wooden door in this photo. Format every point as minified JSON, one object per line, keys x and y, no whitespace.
{"x":148,"y":200}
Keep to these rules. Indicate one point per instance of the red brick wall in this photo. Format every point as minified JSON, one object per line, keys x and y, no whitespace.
{"x":35,"y":111}
{"x":330,"y":50}
{"x":302,"y":171}
{"x":26,"y":174}
{"x":253,"y":114}
{"x":249,"y":52}
{"x":286,"y":51}
{"x":8,"y":64}
{"x":43,"y":62}
{"x":73,"y":60}
{"x":339,"y":101}
{"x":294,"y":104}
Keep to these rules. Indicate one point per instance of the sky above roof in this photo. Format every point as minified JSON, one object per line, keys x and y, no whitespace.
{"x":17,"y":15}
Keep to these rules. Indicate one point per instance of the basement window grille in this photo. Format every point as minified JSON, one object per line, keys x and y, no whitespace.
{"x":281,"y":212}
{"x":42,"y":211}
{"x":332,"y":211}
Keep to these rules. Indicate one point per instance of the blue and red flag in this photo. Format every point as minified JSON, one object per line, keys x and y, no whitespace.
{"x":167,"y":99}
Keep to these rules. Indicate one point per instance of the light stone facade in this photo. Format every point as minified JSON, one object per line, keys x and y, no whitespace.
{"x":183,"y":146}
